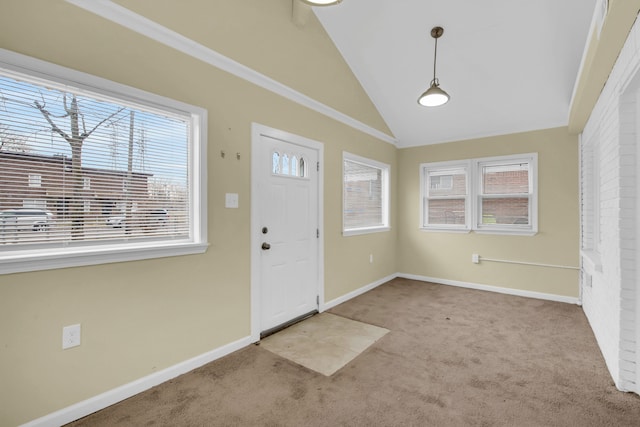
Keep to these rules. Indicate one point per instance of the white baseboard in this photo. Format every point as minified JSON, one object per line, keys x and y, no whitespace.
{"x":489,"y":288}
{"x":353,"y":294}
{"x":101,"y":401}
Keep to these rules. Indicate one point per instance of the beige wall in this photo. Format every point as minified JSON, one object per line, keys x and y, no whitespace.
{"x":141,"y":317}
{"x":448,"y":255}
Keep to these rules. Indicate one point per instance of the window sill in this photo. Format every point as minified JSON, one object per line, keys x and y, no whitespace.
{"x":36,"y":260}
{"x":591,"y":262}
{"x":360,"y":231}
{"x":483,"y":231}
{"x":508,"y":232}
{"x":445,"y":230}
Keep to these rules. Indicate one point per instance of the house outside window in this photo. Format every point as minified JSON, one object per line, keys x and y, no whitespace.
{"x":446,"y":202}
{"x":135,"y":187}
{"x":365,"y":195}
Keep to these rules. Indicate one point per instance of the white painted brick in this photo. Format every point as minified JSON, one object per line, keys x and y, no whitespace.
{"x":628,"y":293}
{"x":610,"y":304}
{"x":627,"y":244}
{"x":627,"y":305}
{"x":628,"y":346}
{"x":628,"y":366}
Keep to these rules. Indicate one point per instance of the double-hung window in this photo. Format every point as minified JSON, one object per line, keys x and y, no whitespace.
{"x":118,"y":174}
{"x":506,"y":194}
{"x":488,"y":195}
{"x":365,"y":195}
{"x":445,"y":196}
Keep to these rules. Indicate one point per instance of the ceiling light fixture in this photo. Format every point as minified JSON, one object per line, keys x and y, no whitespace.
{"x":434,"y":96}
{"x":321,"y":2}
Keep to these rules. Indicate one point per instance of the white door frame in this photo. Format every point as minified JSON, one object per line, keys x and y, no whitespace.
{"x":637,"y":242}
{"x":257,"y":131}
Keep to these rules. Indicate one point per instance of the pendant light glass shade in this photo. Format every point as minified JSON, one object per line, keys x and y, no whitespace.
{"x":321,"y":2}
{"x":434,"y":96}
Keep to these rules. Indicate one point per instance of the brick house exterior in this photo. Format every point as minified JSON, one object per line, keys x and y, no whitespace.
{"x":45,"y":182}
{"x":511,"y":210}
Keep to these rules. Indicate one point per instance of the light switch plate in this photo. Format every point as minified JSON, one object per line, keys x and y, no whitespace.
{"x":231,"y":200}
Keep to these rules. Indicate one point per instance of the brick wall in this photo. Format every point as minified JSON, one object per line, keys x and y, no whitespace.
{"x":609,"y":217}
{"x":501,"y":211}
{"x":102,"y":188}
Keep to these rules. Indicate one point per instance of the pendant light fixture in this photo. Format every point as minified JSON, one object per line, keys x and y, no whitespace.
{"x":434,"y":96}
{"x":321,"y":2}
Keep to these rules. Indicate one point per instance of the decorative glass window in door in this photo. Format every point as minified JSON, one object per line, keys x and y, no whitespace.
{"x":275,"y":167}
{"x":287,"y":164}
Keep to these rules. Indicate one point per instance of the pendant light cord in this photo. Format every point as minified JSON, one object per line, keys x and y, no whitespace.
{"x":435,"y":58}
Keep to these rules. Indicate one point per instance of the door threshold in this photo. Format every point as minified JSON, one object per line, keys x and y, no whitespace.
{"x":285,"y":325}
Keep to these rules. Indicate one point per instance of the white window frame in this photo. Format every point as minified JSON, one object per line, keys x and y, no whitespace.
{"x":590,"y":242}
{"x":516,"y":229}
{"x":473,"y":205}
{"x":35,"y":180}
{"x":385,"y":169}
{"x":34,"y":203}
{"x":425,"y":170}
{"x":43,"y":258}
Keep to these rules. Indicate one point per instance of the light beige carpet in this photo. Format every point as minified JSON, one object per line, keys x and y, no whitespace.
{"x":453,"y":357}
{"x":324,"y":343}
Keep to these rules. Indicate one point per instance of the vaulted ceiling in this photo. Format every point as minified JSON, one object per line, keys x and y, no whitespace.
{"x":508,"y":65}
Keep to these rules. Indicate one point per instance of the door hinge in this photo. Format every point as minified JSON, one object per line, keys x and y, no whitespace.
{"x":317,"y":233}
{"x":317,"y":166}
{"x":318,"y":299}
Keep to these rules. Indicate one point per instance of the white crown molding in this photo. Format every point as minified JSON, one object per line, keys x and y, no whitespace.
{"x":135,"y":22}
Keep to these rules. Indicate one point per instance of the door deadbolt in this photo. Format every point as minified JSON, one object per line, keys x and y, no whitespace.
{"x":265,"y":230}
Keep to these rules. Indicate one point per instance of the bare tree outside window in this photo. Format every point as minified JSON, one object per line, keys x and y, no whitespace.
{"x":108,"y":171}
{"x":75,"y":134}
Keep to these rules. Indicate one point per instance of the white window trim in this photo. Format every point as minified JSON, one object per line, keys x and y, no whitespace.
{"x":51,"y":258}
{"x":590,"y":180}
{"x":35,"y":180}
{"x":513,"y":229}
{"x":425,"y":168}
{"x":385,"y":195}
{"x":473,"y":205}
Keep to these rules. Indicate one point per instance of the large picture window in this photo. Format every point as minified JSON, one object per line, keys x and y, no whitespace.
{"x":494,"y":195}
{"x":117,"y":173}
{"x":365,"y":195}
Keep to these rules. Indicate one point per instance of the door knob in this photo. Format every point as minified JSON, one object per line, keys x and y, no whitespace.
{"x":266,"y":246}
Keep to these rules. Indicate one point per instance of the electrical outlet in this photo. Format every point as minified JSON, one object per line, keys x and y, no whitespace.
{"x":475,"y":258}
{"x":231,"y":200}
{"x":70,"y":336}
{"x":370,"y":258}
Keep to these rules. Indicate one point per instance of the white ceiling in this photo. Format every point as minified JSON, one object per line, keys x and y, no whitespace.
{"x":508,"y":65}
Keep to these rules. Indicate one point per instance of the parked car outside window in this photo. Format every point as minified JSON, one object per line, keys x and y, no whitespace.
{"x":25,"y":219}
{"x":144,"y":218}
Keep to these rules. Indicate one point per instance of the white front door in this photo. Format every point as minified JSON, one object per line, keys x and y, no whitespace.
{"x":286,"y":228}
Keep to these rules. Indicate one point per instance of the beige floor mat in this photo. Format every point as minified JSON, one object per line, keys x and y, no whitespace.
{"x":323,"y":343}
